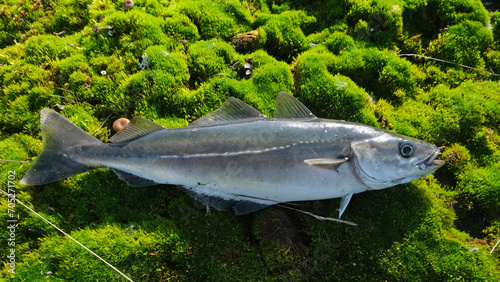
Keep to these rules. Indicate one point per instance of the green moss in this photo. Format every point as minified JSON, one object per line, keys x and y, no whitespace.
{"x":492,"y":58}
{"x":117,"y":244}
{"x":463,"y":43}
{"x":338,"y":42}
{"x":482,"y":186}
{"x":383,"y":20}
{"x":467,"y":109}
{"x":77,"y":62}
{"x":341,"y":97}
{"x":390,"y":77}
{"x":495,"y":22}
{"x":281,"y":34}
{"x":438,"y":15}
{"x":72,"y":18}
{"x":180,"y":27}
{"x":46,"y":48}
{"x":457,"y":157}
{"x":221,"y":19}
{"x":267,"y":80}
{"x":172,"y":63}
{"x":208,"y":58}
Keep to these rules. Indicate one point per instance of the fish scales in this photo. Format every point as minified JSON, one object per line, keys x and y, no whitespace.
{"x":268,"y":154}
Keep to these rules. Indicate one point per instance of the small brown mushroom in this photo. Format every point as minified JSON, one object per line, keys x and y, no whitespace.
{"x":95,"y":28}
{"x":120,"y":124}
{"x":128,"y":4}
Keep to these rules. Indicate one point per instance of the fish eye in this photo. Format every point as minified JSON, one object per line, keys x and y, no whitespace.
{"x":406,"y":149}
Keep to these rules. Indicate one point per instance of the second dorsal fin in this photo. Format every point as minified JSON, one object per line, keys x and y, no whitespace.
{"x":138,"y":127}
{"x":233,"y":110}
{"x":288,"y":106}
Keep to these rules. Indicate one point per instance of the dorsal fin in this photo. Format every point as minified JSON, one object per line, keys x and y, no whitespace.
{"x":138,"y":127}
{"x":288,"y":106}
{"x":233,"y":110}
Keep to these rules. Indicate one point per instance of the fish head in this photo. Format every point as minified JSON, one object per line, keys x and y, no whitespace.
{"x":392,"y":159}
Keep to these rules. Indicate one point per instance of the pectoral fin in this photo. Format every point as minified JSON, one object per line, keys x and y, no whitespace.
{"x":329,"y":163}
{"x":343,"y":203}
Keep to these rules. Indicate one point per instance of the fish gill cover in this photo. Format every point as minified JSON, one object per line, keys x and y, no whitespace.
{"x":174,"y":61}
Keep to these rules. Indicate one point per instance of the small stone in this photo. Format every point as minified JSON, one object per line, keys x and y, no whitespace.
{"x":248,"y":66}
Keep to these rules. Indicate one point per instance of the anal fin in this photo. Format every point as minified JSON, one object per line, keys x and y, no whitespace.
{"x":343,"y":203}
{"x":246,"y":207}
{"x":240,"y":206}
{"x":134,"y":180}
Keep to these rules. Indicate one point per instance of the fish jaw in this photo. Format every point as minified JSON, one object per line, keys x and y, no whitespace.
{"x":431,"y":162}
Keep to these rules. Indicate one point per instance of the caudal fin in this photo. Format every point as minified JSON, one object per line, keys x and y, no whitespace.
{"x":54,"y":162}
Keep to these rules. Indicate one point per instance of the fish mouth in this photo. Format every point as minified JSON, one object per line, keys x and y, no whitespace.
{"x":431,"y":161}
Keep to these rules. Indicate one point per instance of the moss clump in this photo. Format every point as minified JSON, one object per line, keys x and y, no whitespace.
{"x":281,"y":34}
{"x":221,"y":19}
{"x":454,"y":44}
{"x":457,"y":158}
{"x":208,"y":58}
{"x":72,"y":18}
{"x":46,"y":48}
{"x":481,"y":186}
{"x":180,"y":27}
{"x":345,"y":100}
{"x":438,"y":15}
{"x":495,"y":22}
{"x":379,"y":21}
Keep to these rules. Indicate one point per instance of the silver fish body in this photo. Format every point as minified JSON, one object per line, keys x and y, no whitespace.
{"x":237,"y":158}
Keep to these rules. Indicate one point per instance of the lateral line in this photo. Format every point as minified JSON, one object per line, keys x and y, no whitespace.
{"x":225,"y":154}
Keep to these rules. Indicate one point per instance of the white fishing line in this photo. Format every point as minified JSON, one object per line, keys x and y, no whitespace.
{"x":22,"y":162}
{"x":320,"y":217}
{"x":494,"y":247}
{"x":67,"y":235}
{"x":445,"y":61}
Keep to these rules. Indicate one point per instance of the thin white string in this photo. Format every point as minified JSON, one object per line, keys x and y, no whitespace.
{"x":445,"y":61}
{"x":320,"y":217}
{"x":67,"y":235}
{"x":10,"y":161}
{"x":494,"y":247}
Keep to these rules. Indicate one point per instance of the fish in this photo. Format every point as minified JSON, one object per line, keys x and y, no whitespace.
{"x":237,"y":158}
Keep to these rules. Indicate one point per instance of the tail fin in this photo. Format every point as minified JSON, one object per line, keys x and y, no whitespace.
{"x":54,"y":162}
